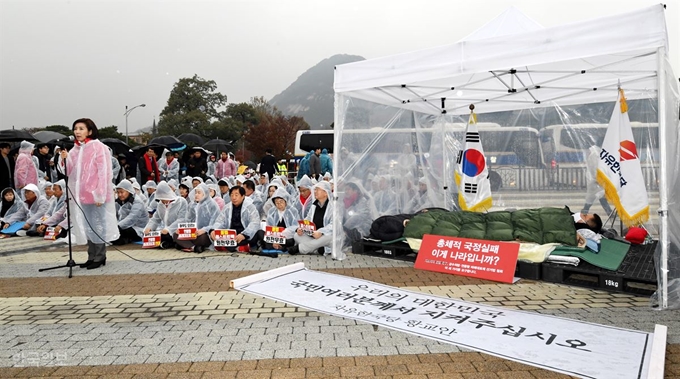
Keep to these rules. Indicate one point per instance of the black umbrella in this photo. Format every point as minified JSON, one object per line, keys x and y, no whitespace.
{"x":250,"y":164}
{"x":118,"y":146}
{"x":217,"y":146}
{"x":46,"y":136}
{"x":191,"y":138}
{"x":171,"y":142}
{"x":16,"y":135}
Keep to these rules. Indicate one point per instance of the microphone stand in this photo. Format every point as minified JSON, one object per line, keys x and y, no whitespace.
{"x":71,"y":263}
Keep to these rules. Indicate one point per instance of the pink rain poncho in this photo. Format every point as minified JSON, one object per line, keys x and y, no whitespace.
{"x":25,"y":171}
{"x":90,"y":183}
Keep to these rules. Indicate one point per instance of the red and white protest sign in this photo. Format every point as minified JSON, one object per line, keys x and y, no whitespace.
{"x":151,"y":240}
{"x":225,"y":238}
{"x":274,"y":234}
{"x":50,"y":234}
{"x":186,"y":231}
{"x":307,"y":227}
{"x":483,"y":259}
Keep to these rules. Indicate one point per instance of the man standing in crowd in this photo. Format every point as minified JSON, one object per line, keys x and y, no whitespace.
{"x":148,"y":167}
{"x":197,"y":166}
{"x":326,"y":162}
{"x":43,"y":161}
{"x":268,"y":164}
{"x":315,"y":164}
{"x":6,"y":166}
{"x":282,"y":168}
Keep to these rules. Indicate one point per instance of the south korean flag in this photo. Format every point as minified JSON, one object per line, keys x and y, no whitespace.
{"x":472,"y":173}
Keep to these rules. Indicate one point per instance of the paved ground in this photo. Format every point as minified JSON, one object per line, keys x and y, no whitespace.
{"x":167,"y":314}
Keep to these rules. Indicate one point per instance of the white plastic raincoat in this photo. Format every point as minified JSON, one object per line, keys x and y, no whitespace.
{"x":25,"y":171}
{"x":290,"y":215}
{"x":205,"y":212}
{"x":167,"y":217}
{"x":250,"y":218}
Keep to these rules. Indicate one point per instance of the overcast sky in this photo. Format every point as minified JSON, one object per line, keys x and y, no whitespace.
{"x":62,"y":60}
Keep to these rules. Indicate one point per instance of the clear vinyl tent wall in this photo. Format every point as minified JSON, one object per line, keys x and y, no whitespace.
{"x":543,"y":102}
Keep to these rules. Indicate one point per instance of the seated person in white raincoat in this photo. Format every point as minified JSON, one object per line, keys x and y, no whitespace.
{"x":36,"y":205}
{"x":271,"y":189}
{"x":170,"y":211}
{"x":304,"y":198}
{"x":281,"y":215}
{"x":240,"y":215}
{"x":321,"y":214}
{"x":56,"y":211}
{"x":13,"y":209}
{"x":150,"y":203}
{"x":204,"y":211}
{"x":359,"y":212}
{"x":132,"y":215}
{"x":257,"y":197}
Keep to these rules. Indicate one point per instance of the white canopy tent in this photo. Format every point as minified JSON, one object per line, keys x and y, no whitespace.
{"x":514,"y":64}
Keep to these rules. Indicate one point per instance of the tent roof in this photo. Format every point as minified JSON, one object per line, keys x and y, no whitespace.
{"x":511,"y":21}
{"x":576,"y":63}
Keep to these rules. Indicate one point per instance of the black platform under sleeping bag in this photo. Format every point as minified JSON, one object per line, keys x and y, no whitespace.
{"x":539,"y":225}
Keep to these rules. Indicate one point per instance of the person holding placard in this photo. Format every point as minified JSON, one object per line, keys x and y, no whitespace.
{"x":241,"y":216}
{"x":131,"y":212}
{"x":321,"y":216}
{"x":203,"y":213}
{"x":170,"y":211}
{"x":282,"y":222}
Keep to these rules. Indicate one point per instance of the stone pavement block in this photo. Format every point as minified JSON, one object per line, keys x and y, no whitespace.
{"x":98,"y":360}
{"x":184,"y":349}
{"x":226,"y":356}
{"x":163,"y":358}
{"x":194,"y":357}
{"x":154,"y":350}
{"x":351,"y":351}
{"x":382,"y":350}
{"x":131,"y":359}
{"x":323,"y":352}
{"x":259,"y":354}
{"x":173,"y":367}
{"x":290,"y":353}
{"x":323,"y":372}
{"x":288,"y":373}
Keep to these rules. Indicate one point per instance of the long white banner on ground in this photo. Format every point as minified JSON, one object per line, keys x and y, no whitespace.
{"x":567,"y":346}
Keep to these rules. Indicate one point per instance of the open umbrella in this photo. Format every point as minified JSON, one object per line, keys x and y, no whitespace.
{"x":16,"y":135}
{"x":191,"y":139}
{"x":118,"y":146}
{"x":46,"y":136}
{"x":217,"y":146}
{"x":171,"y":142}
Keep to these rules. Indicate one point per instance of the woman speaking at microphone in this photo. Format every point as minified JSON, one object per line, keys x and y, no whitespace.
{"x":93,"y":213}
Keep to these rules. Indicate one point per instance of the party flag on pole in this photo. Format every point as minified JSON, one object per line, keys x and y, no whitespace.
{"x":619,"y":171}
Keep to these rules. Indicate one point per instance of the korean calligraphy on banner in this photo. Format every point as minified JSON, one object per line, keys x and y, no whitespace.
{"x":492,"y":260}
{"x":186,"y":231}
{"x":568,"y":346}
{"x":225,"y":238}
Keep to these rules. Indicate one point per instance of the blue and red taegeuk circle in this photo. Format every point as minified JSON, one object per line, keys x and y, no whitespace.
{"x":473,"y":162}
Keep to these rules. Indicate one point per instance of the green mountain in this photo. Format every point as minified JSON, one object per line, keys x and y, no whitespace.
{"x":311,"y":95}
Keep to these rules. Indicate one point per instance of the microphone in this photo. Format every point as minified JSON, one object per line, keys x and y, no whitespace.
{"x":66,"y":139}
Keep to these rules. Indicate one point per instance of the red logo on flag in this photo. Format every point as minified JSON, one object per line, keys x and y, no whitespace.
{"x":628,"y":151}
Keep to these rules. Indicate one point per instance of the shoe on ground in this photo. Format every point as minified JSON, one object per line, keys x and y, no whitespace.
{"x":165,"y":245}
{"x":294,"y":250}
{"x":59,"y":241}
{"x":198,"y":249}
{"x":95,"y":265}
{"x":84,"y":265}
{"x":32,"y":233}
{"x":243,"y":249}
{"x":21,"y":233}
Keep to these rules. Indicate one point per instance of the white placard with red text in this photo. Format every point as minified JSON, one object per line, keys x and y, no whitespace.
{"x":151,"y":240}
{"x":225,"y":238}
{"x":274,"y":234}
{"x":307,"y":227}
{"x":186,"y":231}
{"x":50,"y":234}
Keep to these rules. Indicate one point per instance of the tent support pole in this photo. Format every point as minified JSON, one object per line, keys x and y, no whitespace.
{"x":663,"y":179}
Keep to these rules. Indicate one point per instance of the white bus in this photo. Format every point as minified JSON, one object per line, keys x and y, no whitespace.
{"x":504,"y":147}
{"x":567,"y":145}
